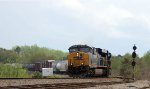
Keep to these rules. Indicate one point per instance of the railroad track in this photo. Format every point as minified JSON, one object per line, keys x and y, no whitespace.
{"x":72,"y":83}
{"x":75,"y":77}
{"x":61,"y":85}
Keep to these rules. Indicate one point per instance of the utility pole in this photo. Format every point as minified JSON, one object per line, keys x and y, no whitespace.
{"x":133,"y":62}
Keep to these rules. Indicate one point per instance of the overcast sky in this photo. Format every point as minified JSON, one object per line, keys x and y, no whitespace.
{"x":110,"y":24}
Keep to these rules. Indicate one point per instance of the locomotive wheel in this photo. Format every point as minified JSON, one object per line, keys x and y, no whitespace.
{"x":107,"y":73}
{"x":83,"y":75}
{"x":91,"y":72}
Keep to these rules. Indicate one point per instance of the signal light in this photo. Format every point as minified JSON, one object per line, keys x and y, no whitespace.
{"x":134,"y":54}
{"x":134,"y":47}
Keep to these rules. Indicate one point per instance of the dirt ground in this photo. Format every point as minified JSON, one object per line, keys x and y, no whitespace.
{"x":98,"y":83}
{"x":140,"y":84}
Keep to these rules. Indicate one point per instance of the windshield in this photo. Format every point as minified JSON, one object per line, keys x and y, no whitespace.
{"x":73,"y":49}
{"x":85,"y":49}
{"x":79,"y":49}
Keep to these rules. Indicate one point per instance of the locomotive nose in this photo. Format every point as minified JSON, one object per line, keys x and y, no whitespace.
{"x":78,"y":59}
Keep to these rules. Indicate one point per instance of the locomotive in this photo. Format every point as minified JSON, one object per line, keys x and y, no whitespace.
{"x":86,"y":61}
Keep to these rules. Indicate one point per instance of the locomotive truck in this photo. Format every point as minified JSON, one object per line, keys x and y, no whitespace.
{"x":86,"y":61}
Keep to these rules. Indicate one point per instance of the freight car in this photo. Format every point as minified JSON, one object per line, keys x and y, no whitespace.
{"x":86,"y":61}
{"x":43,"y":64}
{"x":60,"y":67}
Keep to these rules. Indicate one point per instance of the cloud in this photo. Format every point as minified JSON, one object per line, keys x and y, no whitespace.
{"x":116,"y":20}
{"x":105,"y":19}
{"x":56,"y":23}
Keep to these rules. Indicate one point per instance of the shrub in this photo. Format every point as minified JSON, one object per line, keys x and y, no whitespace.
{"x":37,"y":74}
{"x":13,"y":71}
{"x":126,"y":68}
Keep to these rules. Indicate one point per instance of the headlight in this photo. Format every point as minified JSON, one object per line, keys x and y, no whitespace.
{"x":77,"y":54}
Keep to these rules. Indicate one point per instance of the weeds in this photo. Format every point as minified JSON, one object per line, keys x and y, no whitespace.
{"x":13,"y":71}
{"x":37,"y":74}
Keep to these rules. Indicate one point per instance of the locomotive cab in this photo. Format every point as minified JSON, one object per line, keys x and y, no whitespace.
{"x":78,"y":55}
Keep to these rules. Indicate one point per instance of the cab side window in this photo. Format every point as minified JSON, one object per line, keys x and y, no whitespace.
{"x":94,"y":51}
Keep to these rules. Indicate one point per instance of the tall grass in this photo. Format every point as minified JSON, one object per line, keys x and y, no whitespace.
{"x":13,"y":71}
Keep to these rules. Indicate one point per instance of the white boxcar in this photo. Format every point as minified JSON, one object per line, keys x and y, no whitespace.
{"x":47,"y":71}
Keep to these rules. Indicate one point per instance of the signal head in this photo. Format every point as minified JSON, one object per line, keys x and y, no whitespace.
{"x":134,"y":47}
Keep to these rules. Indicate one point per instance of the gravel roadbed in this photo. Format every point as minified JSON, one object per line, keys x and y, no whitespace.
{"x":140,"y":84}
{"x":18,"y":82}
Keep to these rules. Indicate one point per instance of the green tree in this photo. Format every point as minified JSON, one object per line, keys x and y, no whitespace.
{"x":145,"y":60}
{"x":126,"y":68}
{"x":17,"y":50}
{"x":116,"y":64}
{"x":31,"y":54}
{"x":7,"y":55}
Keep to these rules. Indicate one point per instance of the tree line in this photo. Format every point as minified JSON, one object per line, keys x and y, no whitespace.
{"x":122,"y":65}
{"x":30,"y":54}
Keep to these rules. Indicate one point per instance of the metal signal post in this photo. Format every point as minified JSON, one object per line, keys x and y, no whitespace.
{"x":133,"y":62}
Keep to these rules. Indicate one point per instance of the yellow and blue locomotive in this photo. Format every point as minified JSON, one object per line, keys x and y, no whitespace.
{"x":84,"y":61}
